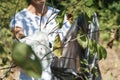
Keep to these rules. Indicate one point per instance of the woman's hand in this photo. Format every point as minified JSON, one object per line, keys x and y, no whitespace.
{"x":18,"y":32}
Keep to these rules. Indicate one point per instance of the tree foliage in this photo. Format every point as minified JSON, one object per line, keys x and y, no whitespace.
{"x":107,"y":11}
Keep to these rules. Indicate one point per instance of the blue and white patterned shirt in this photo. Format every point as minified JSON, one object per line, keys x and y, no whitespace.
{"x":31,"y":23}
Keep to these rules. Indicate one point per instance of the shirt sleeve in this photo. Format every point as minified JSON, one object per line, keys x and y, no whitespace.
{"x":16,"y":21}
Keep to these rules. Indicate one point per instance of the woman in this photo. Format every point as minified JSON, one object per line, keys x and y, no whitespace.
{"x":37,"y":17}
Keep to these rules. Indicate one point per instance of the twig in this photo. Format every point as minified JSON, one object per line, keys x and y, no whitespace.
{"x":9,"y":69}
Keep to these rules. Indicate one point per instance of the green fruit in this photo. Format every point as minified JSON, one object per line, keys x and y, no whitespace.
{"x":24,"y":56}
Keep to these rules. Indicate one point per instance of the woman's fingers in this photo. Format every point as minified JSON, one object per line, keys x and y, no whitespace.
{"x":18,"y":32}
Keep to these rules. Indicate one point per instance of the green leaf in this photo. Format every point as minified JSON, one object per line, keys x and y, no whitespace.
{"x":87,"y":17}
{"x":102,"y":53}
{"x":24,"y":56}
{"x":60,"y":18}
{"x":100,"y":3}
{"x":57,"y":47}
{"x":93,"y":46}
{"x":1,"y":49}
{"x":4,"y":60}
{"x":90,"y":11}
{"x":89,"y":3}
{"x":82,"y":40}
